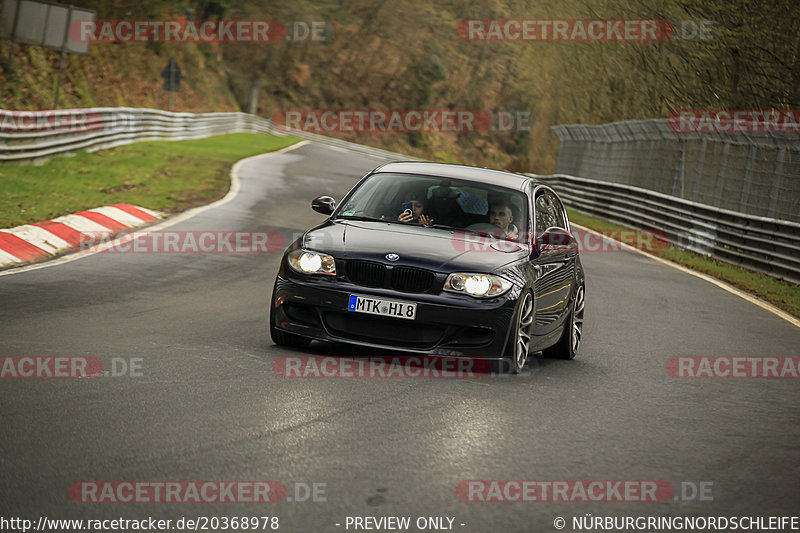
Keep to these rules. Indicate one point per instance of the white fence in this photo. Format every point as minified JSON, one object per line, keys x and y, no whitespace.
{"x":35,"y":135}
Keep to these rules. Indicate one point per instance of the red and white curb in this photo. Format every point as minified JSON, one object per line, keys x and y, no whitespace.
{"x":34,"y":242}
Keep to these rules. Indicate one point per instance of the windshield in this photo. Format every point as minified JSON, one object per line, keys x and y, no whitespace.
{"x":440,"y":203}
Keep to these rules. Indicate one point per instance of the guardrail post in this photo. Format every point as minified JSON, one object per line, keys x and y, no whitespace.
{"x":701,"y":161}
{"x":723,"y":167}
{"x":776,"y":183}
{"x":748,"y":179}
{"x":660,"y":185}
{"x":680,"y":170}
{"x":646,"y":178}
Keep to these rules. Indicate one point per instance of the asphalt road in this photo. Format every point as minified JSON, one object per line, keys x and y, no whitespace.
{"x":208,"y":405}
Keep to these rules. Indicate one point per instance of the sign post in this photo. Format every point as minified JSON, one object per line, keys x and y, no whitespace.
{"x":44,"y":24}
{"x":9,"y":63}
{"x":63,"y":59}
{"x":172,"y":79}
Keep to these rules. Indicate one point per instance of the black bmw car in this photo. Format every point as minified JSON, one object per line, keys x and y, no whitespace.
{"x":436,"y":259}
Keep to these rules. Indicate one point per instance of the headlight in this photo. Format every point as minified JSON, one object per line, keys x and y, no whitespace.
{"x":307,"y":262}
{"x":477,"y":285}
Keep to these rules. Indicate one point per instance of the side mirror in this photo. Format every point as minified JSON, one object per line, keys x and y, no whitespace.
{"x":556,"y":241}
{"x":323,"y":204}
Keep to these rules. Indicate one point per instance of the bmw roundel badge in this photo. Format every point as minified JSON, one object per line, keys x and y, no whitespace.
{"x":392,"y":257}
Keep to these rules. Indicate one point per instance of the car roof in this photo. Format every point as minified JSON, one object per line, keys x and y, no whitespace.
{"x":461,"y":172}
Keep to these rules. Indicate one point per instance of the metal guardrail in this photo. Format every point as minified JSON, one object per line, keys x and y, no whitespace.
{"x":757,"y":173}
{"x":38,"y":135}
{"x":26,"y":136}
{"x":764,"y":244}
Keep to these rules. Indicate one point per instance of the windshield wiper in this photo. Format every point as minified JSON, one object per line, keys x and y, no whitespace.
{"x":443,"y":226}
{"x":361,"y":218}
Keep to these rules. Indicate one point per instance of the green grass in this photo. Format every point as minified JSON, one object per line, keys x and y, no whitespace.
{"x":168,"y":176}
{"x":781,"y":294}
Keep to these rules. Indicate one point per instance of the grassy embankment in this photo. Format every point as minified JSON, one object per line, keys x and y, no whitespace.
{"x":169,"y":176}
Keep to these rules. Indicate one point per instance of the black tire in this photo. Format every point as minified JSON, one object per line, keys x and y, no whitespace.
{"x":570,"y":341}
{"x":518,"y":347}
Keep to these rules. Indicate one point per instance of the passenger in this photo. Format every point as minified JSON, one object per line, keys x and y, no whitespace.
{"x":416,"y":212}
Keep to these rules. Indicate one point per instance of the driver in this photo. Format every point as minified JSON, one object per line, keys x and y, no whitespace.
{"x":502,"y":216}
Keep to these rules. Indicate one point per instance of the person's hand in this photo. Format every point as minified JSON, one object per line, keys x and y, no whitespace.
{"x":425,"y":220}
{"x":405,"y":216}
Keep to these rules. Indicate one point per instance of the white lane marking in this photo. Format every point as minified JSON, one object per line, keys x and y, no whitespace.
{"x":337,"y":148}
{"x":39,"y":237}
{"x":234,"y":190}
{"x":719,"y":283}
{"x":119,"y":215}
{"x":8,"y":259}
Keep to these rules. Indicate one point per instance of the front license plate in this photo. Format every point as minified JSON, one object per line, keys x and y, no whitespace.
{"x":382,"y":307}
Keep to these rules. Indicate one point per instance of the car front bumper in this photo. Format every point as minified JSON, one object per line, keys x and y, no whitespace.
{"x":446,"y":324}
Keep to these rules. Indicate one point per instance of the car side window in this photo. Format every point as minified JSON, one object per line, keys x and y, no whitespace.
{"x":545,"y":214}
{"x":558,"y":210}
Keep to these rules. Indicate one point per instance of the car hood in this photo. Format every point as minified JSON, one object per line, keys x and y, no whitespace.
{"x":431,"y":248}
